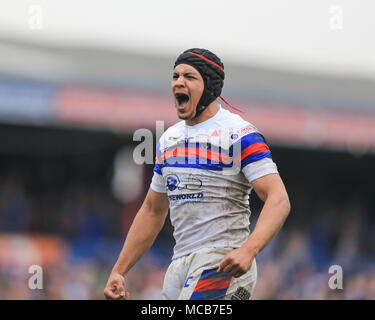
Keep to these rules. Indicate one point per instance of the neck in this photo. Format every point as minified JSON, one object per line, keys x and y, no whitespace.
{"x":207,"y":113}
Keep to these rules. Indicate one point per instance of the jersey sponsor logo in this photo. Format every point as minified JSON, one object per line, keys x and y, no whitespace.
{"x":192,"y":183}
{"x":186,"y":196}
{"x":174,"y":138}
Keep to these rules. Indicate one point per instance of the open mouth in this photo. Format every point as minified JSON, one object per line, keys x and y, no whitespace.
{"x":182,"y":99}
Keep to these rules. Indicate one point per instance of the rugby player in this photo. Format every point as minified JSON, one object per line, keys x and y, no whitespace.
{"x":206,"y":166}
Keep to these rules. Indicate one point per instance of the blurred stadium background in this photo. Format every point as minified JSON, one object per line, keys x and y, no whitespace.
{"x":69,"y":188}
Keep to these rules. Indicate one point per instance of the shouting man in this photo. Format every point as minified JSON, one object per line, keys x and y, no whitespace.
{"x":206,"y":166}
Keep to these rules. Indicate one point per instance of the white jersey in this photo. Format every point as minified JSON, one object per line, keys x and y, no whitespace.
{"x":206,"y":170}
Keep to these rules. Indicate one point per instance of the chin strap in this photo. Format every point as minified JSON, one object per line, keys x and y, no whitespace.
{"x":200,"y":109}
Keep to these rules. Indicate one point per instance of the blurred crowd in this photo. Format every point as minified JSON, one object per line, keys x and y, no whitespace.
{"x":319,"y":233}
{"x":80,"y":210}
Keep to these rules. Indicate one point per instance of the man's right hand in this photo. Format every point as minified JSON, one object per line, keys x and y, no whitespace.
{"x":115,"y":288}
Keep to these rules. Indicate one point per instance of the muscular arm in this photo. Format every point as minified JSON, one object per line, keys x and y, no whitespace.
{"x":271,"y":190}
{"x":143,"y":231}
{"x":142,"y":234}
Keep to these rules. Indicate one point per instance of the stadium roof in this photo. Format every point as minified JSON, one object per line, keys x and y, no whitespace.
{"x":89,"y":65}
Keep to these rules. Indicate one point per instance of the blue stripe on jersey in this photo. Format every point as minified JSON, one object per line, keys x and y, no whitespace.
{"x":209,"y":294}
{"x":255,"y":157}
{"x":213,"y":274}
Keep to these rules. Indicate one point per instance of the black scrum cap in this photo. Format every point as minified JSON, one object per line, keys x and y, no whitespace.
{"x":212,"y":71}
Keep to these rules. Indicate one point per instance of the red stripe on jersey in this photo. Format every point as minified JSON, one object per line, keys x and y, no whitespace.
{"x":213,"y":284}
{"x":253,"y":149}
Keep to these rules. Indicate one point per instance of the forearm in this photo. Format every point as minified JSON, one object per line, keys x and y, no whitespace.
{"x":142,"y":234}
{"x":272,"y":217}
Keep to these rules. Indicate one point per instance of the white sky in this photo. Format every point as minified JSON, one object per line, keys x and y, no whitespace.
{"x":326,"y":36}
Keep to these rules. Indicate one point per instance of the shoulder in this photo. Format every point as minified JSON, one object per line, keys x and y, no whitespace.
{"x":172,"y":134}
{"x":238,"y":127}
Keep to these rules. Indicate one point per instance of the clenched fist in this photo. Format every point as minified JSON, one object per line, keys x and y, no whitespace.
{"x":115,"y":288}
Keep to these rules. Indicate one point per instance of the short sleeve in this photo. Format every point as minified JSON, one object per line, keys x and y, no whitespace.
{"x":157,"y":167}
{"x":157,"y":183}
{"x":258,"y":169}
